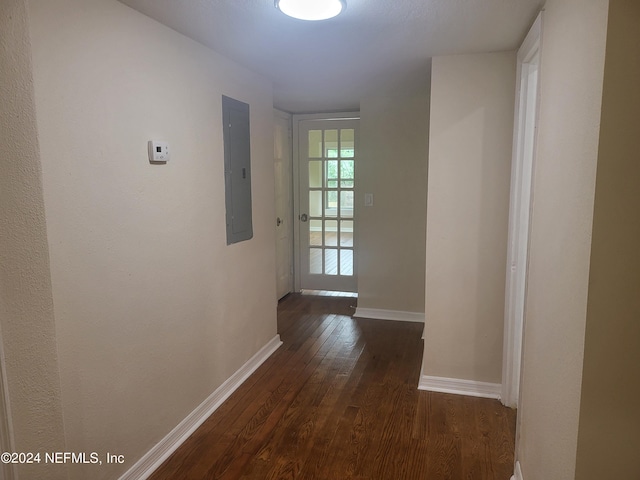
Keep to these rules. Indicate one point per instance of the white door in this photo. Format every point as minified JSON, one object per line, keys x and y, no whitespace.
{"x":327,"y":155}
{"x":519,"y":212}
{"x":282,"y":154}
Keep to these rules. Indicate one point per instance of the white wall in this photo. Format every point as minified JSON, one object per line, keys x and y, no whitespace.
{"x":608,"y":440}
{"x":571,"y":72}
{"x":153,"y":310}
{"x":390,"y":235}
{"x":472,"y":102}
{"x":26,"y":302}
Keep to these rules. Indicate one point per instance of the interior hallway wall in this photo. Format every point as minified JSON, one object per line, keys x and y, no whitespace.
{"x":392,"y":165}
{"x":26,"y":302}
{"x":470,"y":142}
{"x":571,"y":73}
{"x":608,"y":440}
{"x":153,"y":310}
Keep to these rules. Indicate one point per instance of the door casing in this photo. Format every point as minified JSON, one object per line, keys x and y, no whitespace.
{"x":521,"y":202}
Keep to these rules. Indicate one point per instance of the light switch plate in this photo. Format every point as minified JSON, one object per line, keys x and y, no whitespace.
{"x":368,"y":199}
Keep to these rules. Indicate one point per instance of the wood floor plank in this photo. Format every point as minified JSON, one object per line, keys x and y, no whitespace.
{"x":339,"y":401}
{"x":254,"y":433}
{"x":444,"y":457}
{"x":301,"y":420}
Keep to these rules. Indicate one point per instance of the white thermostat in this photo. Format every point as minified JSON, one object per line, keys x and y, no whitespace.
{"x":158,"y":151}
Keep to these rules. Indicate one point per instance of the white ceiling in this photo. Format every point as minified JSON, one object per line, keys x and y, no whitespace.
{"x":376,"y":47}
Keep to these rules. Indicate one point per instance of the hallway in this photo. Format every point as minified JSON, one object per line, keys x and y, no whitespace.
{"x":338,"y":400}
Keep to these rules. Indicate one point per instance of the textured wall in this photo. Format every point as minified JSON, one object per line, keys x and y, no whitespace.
{"x":571,"y":71}
{"x":26,"y":304}
{"x":472,"y":103}
{"x":391,"y":234}
{"x":153,"y":310}
{"x":608,"y":441}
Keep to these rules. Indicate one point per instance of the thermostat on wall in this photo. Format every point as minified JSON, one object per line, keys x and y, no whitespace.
{"x":158,"y":151}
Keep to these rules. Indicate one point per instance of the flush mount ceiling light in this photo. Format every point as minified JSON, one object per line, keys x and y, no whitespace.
{"x":311,"y":9}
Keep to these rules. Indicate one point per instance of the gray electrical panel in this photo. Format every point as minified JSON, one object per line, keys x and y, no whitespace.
{"x":237,"y":169}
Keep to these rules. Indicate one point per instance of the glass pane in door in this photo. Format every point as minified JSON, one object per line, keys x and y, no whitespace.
{"x":347,"y":144}
{"x":346,"y":233}
{"x":331,"y":261}
{"x":315,"y":203}
{"x":315,"y":174}
{"x":315,"y":261}
{"x":346,"y":169}
{"x":315,"y":233}
{"x":346,"y":262}
{"x":331,"y":233}
{"x":332,"y":173}
{"x":346,"y":203}
{"x":315,"y":143}
{"x":331,"y":204}
{"x":331,"y":143}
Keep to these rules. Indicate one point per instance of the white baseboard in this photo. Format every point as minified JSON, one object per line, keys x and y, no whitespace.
{"x":460,"y":387}
{"x":169,"y":444}
{"x":398,"y":315}
{"x":518,"y":473}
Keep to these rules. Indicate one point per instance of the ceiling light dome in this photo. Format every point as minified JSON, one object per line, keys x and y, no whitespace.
{"x":311,"y":9}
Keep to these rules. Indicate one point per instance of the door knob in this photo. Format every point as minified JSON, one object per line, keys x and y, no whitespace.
{"x":304,"y":217}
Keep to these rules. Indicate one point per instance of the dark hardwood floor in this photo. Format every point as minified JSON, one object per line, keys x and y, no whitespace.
{"x":339,"y":401}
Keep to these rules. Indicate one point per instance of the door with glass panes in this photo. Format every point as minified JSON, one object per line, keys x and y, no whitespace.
{"x":327,"y":155}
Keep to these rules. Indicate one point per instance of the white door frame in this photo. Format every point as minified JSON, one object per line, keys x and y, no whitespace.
{"x":524,"y":145}
{"x":287,"y":221}
{"x":297,"y":118}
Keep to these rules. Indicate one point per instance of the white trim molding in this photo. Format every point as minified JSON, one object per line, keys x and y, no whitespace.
{"x":144,"y":467}
{"x":460,"y":387}
{"x":523,"y":159}
{"x":518,"y":473}
{"x":378,"y":314}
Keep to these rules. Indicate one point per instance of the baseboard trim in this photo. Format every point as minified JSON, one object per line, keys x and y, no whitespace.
{"x":144,"y":467}
{"x":378,"y":314}
{"x":518,"y":473}
{"x":460,"y":387}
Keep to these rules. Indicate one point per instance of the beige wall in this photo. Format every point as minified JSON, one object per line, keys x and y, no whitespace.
{"x":390,"y":235}
{"x":571,"y":73}
{"x":472,"y":102}
{"x":26,"y":303}
{"x":153,"y":310}
{"x":608,"y":440}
